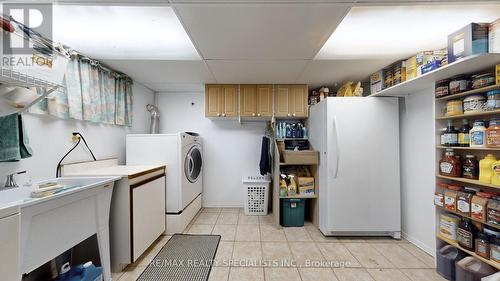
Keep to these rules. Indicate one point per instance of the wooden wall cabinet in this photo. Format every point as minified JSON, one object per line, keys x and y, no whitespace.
{"x":291,"y":101}
{"x":221,"y":100}
{"x":256,"y":100}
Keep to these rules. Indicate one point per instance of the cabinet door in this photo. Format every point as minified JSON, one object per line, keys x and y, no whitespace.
{"x":281,"y":101}
{"x":148,"y":214}
{"x":9,"y":243}
{"x":230,"y":100}
{"x":264,"y":100}
{"x":213,"y":100}
{"x":248,"y":101}
{"x":298,"y":101}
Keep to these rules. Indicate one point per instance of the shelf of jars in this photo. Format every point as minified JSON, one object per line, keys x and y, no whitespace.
{"x":467,"y":193}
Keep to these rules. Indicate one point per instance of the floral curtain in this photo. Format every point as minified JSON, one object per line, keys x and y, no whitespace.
{"x":91,"y":93}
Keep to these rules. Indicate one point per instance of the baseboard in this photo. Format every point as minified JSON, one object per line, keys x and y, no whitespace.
{"x":419,"y":244}
{"x":178,"y":223}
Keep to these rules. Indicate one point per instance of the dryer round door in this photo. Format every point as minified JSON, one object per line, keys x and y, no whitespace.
{"x":193,"y":163}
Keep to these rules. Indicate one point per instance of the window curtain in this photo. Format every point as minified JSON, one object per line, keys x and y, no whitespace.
{"x":91,"y":93}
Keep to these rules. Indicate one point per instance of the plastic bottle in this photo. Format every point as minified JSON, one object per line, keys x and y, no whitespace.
{"x":477,"y":135}
{"x":292,"y":187}
{"x":283,"y":187}
{"x":463,"y":134}
{"x":495,"y":167}
{"x":485,"y":168}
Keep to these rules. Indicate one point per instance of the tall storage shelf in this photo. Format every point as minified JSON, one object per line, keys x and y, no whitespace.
{"x":312,"y":206}
{"x":470,"y":65}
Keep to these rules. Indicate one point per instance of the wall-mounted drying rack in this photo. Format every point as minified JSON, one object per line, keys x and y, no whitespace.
{"x":17,"y":79}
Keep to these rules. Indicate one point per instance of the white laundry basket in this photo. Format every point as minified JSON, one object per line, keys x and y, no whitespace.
{"x":257,"y":195}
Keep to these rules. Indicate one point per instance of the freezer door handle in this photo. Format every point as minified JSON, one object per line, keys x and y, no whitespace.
{"x":337,"y":152}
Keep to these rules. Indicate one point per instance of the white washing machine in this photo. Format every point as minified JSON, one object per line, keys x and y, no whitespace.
{"x":182,"y":153}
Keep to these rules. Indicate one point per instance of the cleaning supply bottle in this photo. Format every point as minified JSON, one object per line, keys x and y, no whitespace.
{"x":485,"y":168}
{"x":495,"y":179}
{"x":292,"y":187}
{"x":283,"y":186}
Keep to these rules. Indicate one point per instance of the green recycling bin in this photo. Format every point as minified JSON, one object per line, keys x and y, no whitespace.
{"x":292,"y":212}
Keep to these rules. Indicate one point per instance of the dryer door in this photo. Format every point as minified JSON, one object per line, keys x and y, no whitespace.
{"x":193,"y":163}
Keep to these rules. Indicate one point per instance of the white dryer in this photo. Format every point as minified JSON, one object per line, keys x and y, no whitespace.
{"x":182,"y":153}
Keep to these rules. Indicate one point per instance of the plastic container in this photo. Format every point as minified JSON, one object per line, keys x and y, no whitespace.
{"x":448,"y":226}
{"x":485,"y":170}
{"x":257,"y":195}
{"x":446,"y":258}
{"x":474,"y":104}
{"x":493,"y":102}
{"x":493,"y":134}
{"x":472,"y":269}
{"x":82,"y":272}
{"x":292,"y":212}
{"x":454,"y":107}
{"x":477,"y":135}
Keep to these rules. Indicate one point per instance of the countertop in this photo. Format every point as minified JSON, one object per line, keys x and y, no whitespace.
{"x":129,"y":171}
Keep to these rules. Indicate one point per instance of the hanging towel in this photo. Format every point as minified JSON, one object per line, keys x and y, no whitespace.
{"x":14,"y":143}
{"x":265,"y":157}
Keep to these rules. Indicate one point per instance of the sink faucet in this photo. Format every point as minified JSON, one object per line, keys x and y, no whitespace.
{"x":11,"y":181}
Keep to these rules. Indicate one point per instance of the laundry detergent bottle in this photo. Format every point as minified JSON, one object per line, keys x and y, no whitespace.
{"x":485,"y":168}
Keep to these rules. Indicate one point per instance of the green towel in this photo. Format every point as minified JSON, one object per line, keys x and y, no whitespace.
{"x":14,"y":143}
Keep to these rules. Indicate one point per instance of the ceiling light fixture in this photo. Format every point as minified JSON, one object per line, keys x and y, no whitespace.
{"x":399,"y":31}
{"x":123,"y":32}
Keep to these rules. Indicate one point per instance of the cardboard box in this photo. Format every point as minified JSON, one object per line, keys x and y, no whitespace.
{"x":399,"y":75}
{"x":469,"y":40}
{"x":494,"y":37}
{"x":497,"y":71}
{"x":411,"y":68}
{"x":306,"y":185}
{"x":377,"y":82}
{"x":303,"y":157}
{"x":429,"y":60}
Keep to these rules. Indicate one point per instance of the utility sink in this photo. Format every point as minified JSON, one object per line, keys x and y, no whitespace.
{"x":54,"y":224}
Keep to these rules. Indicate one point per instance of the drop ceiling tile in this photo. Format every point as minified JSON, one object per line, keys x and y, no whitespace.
{"x":256,"y":71}
{"x":329,"y":72}
{"x":157,"y":71}
{"x":176,"y":87}
{"x":260,"y":31}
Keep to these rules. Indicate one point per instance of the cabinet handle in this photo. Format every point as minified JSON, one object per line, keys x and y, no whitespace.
{"x":293,"y":115}
{"x":218,"y":114}
{"x":288,"y":115}
{"x":253,"y":114}
{"x":223,"y":114}
{"x":258,"y":114}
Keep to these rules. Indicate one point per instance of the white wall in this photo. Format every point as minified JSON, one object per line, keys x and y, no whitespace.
{"x":50,"y":139}
{"x":231,"y":150}
{"x":418,"y":168}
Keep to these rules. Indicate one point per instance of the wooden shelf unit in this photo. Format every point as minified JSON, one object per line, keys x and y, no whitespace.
{"x":455,"y":244}
{"x":469,"y":65}
{"x":276,"y":198}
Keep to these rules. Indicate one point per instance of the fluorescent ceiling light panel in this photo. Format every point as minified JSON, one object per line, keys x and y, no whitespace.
{"x":123,"y":32}
{"x":398,"y":31}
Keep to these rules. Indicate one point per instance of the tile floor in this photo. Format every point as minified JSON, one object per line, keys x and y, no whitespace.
{"x":253,"y":248}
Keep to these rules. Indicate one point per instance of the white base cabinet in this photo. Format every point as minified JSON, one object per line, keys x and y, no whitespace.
{"x":10,"y":247}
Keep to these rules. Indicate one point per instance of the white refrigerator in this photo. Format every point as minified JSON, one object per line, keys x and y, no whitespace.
{"x":359,"y":181}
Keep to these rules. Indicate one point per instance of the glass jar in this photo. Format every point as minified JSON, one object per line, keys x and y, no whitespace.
{"x":477,"y":134}
{"x":493,"y":102}
{"x":470,"y":167}
{"x":483,"y":245}
{"x":467,"y":234}
{"x":463,"y":134}
{"x":450,"y":135}
{"x":493,"y":134}
{"x":450,"y":165}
